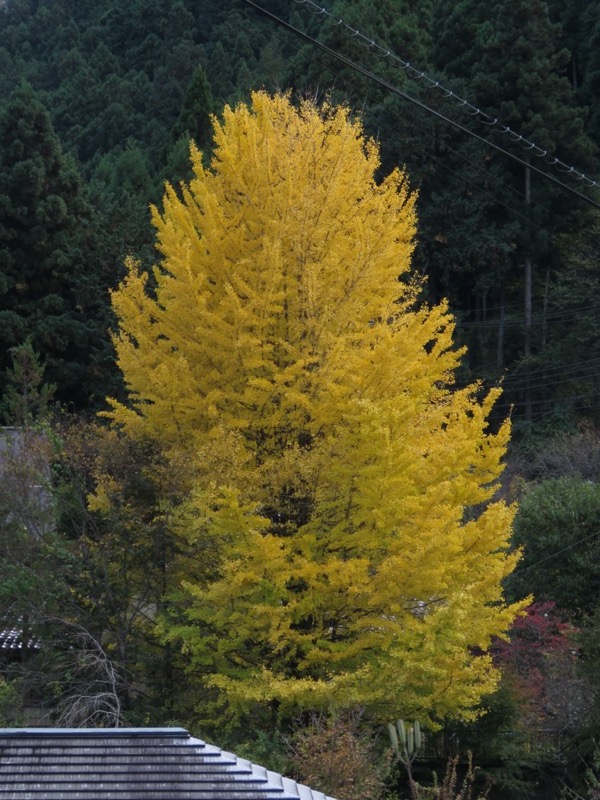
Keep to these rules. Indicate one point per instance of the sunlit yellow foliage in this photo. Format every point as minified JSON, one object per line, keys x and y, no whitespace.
{"x":340,"y":488}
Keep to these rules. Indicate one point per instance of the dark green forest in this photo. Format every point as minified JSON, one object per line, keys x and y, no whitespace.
{"x":98,"y":103}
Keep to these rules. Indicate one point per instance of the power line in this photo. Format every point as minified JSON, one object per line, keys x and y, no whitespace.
{"x":511,"y":391}
{"x":531,"y":147}
{"x":553,"y":316}
{"x":509,"y":321}
{"x":543,"y":371}
{"x":395,"y":90}
{"x":581,"y":231}
{"x":554,"y":555}
{"x":517,"y":138}
{"x":521,"y":385}
{"x":537,"y":320}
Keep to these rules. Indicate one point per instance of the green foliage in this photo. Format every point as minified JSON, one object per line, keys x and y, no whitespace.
{"x":113,"y":85}
{"x":47,"y":293}
{"x":116,"y":500}
{"x":265,"y":746}
{"x":34,"y":583}
{"x":585,"y":36}
{"x":585,"y":785}
{"x":88,"y":581}
{"x":9,"y":705}
{"x":121,"y":188}
{"x":513,"y":68}
{"x":26,"y":397}
{"x":198,"y":105}
{"x":558,"y":525}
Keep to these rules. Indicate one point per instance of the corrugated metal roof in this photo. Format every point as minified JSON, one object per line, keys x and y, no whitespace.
{"x":131,"y":764}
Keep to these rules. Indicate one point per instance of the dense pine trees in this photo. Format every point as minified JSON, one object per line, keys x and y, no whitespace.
{"x":123,"y":87}
{"x":512,"y":65}
{"x":49,"y":293}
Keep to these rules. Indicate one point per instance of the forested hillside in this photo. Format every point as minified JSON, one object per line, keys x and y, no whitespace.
{"x":490,"y":113}
{"x":124,"y":88}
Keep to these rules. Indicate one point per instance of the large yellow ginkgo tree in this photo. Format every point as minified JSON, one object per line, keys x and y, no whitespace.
{"x":341,"y":489}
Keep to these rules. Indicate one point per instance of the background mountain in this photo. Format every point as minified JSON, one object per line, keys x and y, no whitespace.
{"x":124,"y":88}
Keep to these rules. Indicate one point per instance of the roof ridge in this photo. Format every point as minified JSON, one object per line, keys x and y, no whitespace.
{"x":93,"y":732}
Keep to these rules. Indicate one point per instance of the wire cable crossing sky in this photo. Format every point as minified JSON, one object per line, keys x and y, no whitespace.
{"x":531,"y":148}
{"x":401,"y":93}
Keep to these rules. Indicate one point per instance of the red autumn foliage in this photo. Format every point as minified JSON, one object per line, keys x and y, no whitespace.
{"x":539,"y":662}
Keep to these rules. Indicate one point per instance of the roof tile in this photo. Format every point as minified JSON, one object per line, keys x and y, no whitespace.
{"x":131,"y":764}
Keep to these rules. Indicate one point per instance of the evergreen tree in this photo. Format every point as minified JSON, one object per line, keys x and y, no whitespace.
{"x":27,"y":396}
{"x":556,"y":525}
{"x":405,"y":29}
{"x":121,"y":190}
{"x":221,"y":72}
{"x":513,"y":70}
{"x":48,"y":293}
{"x":588,"y":40}
{"x":198,"y":105}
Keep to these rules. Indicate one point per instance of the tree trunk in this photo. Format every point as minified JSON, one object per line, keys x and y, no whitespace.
{"x":545,"y":309}
{"x":501,"y":329}
{"x":528,"y":295}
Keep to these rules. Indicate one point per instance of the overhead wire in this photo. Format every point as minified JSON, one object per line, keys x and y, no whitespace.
{"x":493,"y":323}
{"x":401,"y":93}
{"x":537,"y":320}
{"x":546,"y":317}
{"x":541,"y":374}
{"x":553,"y":316}
{"x":584,"y":371}
{"x":508,"y":379}
{"x":584,"y":232}
{"x":512,"y":189}
{"x":519,"y":384}
{"x":474,"y":111}
{"x":555,"y":554}
{"x":497,"y":201}
{"x":448,"y":94}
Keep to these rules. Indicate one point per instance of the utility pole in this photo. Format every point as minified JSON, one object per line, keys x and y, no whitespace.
{"x":528,"y":292}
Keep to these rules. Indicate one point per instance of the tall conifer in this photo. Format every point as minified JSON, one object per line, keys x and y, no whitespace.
{"x":48,"y":293}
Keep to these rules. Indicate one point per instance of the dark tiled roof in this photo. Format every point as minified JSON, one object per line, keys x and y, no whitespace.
{"x":131,"y":764}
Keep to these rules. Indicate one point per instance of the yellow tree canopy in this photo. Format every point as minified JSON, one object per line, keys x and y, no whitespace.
{"x":340,"y":488}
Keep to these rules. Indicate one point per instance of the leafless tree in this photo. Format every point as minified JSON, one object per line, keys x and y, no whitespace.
{"x":89,"y":683}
